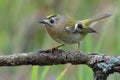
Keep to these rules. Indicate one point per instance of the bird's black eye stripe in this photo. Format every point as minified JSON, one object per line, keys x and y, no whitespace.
{"x":52,"y":21}
{"x":80,"y":26}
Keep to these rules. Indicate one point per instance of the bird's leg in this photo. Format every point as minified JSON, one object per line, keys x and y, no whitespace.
{"x":56,"y":48}
{"x":78,"y":49}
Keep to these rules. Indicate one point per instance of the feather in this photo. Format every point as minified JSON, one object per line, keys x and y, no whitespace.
{"x":92,"y":24}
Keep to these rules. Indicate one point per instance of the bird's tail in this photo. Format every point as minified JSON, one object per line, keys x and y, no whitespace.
{"x":99,"y":17}
{"x":95,"y":19}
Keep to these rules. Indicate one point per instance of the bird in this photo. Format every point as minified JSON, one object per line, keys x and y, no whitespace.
{"x":67,"y":30}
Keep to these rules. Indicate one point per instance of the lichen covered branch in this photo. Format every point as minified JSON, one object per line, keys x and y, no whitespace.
{"x":101,"y":65}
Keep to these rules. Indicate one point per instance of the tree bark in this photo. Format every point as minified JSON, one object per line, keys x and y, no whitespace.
{"x":101,"y":65}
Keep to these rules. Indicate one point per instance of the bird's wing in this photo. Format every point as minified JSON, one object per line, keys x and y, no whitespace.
{"x":70,"y":29}
{"x":70,"y":25}
{"x":93,"y":24}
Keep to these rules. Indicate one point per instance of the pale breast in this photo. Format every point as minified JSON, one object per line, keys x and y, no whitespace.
{"x":64,"y":37}
{"x":73,"y":38}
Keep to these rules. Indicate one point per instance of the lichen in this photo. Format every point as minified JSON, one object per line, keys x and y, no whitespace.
{"x":113,"y":60}
{"x":106,"y":66}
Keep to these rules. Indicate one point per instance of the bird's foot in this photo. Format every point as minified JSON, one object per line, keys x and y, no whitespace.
{"x":77,"y":51}
{"x":56,"y":48}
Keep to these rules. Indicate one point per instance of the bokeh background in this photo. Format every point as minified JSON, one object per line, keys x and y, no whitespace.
{"x":21,"y":32}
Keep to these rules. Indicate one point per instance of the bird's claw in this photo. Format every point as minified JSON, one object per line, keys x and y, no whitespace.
{"x":77,"y":51}
{"x":56,"y":48}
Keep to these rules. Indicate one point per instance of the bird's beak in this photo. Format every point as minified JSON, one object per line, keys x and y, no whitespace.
{"x":43,"y":21}
{"x":46,"y":22}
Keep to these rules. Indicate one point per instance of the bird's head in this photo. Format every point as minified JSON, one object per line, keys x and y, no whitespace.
{"x":53,"y":20}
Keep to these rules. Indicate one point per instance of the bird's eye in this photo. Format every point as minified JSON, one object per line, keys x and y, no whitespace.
{"x":52,"y":21}
{"x":80,"y":26}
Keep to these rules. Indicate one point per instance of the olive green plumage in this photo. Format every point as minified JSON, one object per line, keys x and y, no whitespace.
{"x":67,"y":30}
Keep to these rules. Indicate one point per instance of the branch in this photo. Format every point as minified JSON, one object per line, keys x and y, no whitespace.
{"x":101,"y":65}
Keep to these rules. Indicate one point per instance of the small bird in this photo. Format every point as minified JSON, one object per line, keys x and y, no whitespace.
{"x":67,"y":30}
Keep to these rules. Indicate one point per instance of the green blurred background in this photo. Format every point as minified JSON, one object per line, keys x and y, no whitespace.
{"x":21,"y":32}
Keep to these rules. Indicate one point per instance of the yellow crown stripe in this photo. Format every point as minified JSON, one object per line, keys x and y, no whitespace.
{"x":52,"y":15}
